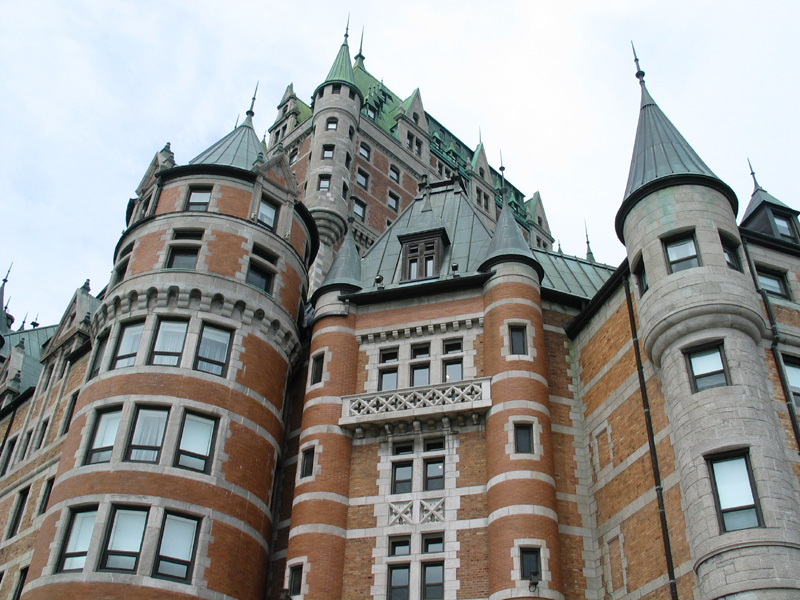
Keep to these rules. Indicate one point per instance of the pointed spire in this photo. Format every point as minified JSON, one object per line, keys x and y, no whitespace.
{"x":662,"y":158}
{"x":589,"y":253}
{"x":342,"y":69}
{"x":753,"y":174}
{"x":4,"y":307}
{"x":346,"y":268}
{"x":250,"y":112}
{"x":359,"y":58}
{"x":761,"y":196}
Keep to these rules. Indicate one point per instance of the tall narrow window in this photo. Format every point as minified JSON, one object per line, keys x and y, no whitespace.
{"x":399,"y":576}
{"x":197,"y":441}
{"x":529,"y":564}
{"x":124,"y":542}
{"x":420,"y":370}
{"x":316,"y":368}
{"x":359,"y":210}
{"x":148,"y":435}
{"x":212,"y":352}
{"x":267,"y":214}
{"x":402,"y":473}
{"x":681,"y":254}
{"x":307,"y":463}
{"x":731,"y":252}
{"x":19,"y":510}
{"x":432,"y":581}
{"x":434,"y":474}
{"x":362,"y":178}
{"x":105,"y":432}
{"x":41,"y":434}
{"x":168,"y":346}
{"x":97,"y":361}
{"x":9,"y":456}
{"x":295,"y":580}
{"x":641,"y":277}
{"x":45,"y":501}
{"x":394,"y":174}
{"x":793,"y":374}
{"x":23,"y":576}
{"x":198,"y":200}
{"x":364,"y":151}
{"x":393,"y":201}
{"x":518,"y":335}
{"x":734,"y":493}
{"x":73,"y":556}
{"x":523,"y":438}
{"x":68,"y":412}
{"x":128,"y":345}
{"x":387,"y":377}
{"x":176,"y":549}
{"x":707,"y":368}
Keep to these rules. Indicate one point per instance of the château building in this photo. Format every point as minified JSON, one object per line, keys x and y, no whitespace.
{"x":345,"y":362}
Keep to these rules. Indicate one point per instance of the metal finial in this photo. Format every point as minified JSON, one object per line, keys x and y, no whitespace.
{"x":503,"y":178}
{"x":347,"y":28}
{"x":480,"y":138}
{"x":5,"y":279}
{"x":639,"y":72}
{"x":235,"y":125}
{"x":753,"y":173}
{"x":589,"y":253}
{"x":253,"y":101}
{"x":361,"y":43}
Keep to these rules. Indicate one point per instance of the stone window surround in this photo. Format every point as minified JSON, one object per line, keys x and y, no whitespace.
{"x":695,"y":349}
{"x":156,"y":507}
{"x":327,"y":356}
{"x":602,"y":430}
{"x":415,"y":561}
{"x":505,"y":351}
{"x":299,"y":561}
{"x":544,"y":564}
{"x":510,"y":448}
{"x":608,"y":539}
{"x":170,"y":441}
{"x":317,"y":467}
{"x":417,"y":457}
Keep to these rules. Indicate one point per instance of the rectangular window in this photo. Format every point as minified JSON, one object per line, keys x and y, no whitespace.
{"x":432,"y":581}
{"x":783,"y":224}
{"x":8,"y":458}
{"x":45,"y":501}
{"x":68,"y":414}
{"x":433,"y":444}
{"x":394,"y":201}
{"x":188,"y":234}
{"x":359,"y":210}
{"x":182,"y":258}
{"x":420,"y":374}
{"x":23,"y":576}
{"x":418,"y":147}
{"x":197,"y":440}
{"x":327,"y":151}
{"x":434,"y":474}
{"x":364,"y":151}
{"x":523,"y":438}
{"x":307,"y":463}
{"x":362,"y":178}
{"x":772,"y":282}
{"x":41,"y":435}
{"x":295,"y":580}
{"x":267,"y":214}
{"x":73,"y":557}
{"x":421,"y":259}
{"x":148,"y":435}
{"x":793,"y":374}
{"x":316,"y":368}
{"x":168,"y":346}
{"x":518,"y":335}
{"x":124,"y":541}
{"x":398,"y":582}
{"x":324,"y":183}
{"x":331,"y":124}
{"x":19,"y":510}
{"x":105,"y":432}
{"x":128,"y":345}
{"x":97,"y":361}
{"x":212,"y":351}
{"x":259,"y":277}
{"x":681,"y":254}
{"x":394,"y":174}
{"x":336,"y":88}
{"x":432,"y":542}
{"x":641,"y":278}
{"x":198,"y":200}
{"x":176,"y":548}
{"x":731,"y":252}
{"x":529,"y":564}
{"x":25,"y":443}
{"x":402,"y":473}
{"x":453,"y":370}
{"x":420,"y":351}
{"x":707,"y":368}
{"x":399,"y":546}
{"x":387,"y":380}
{"x":734,"y":494}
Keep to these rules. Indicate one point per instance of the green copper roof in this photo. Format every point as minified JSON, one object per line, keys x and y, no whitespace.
{"x":570,"y":274}
{"x":507,"y":242}
{"x":342,"y":69}
{"x":346,"y":268}
{"x":240,"y":148}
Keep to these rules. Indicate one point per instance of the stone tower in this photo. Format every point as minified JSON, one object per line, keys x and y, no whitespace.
{"x":702,"y":327}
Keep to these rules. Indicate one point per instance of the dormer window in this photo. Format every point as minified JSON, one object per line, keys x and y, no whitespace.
{"x":784,"y":226}
{"x":421,"y":258}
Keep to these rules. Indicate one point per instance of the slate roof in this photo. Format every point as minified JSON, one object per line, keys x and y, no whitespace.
{"x":761,"y":196}
{"x":570,"y":274}
{"x":346,"y":268}
{"x":240,"y":148}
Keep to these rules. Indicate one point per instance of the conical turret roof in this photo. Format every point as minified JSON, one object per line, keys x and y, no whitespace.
{"x":662,"y":158}
{"x":345,"y":271}
{"x":341,"y":70}
{"x":240,"y":148}
{"x":508,"y":244}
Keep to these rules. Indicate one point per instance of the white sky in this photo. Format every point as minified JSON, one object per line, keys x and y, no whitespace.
{"x":90,"y":90}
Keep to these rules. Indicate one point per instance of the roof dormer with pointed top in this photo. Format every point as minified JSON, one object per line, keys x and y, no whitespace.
{"x":766,"y":214}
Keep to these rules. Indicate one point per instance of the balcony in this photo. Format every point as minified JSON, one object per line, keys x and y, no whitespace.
{"x":458,"y":401}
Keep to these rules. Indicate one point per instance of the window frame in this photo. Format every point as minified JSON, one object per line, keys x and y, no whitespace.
{"x":328,"y":151}
{"x":792,"y":363}
{"x":743,"y":454}
{"x":332,"y":123}
{"x":640,"y":272}
{"x":432,"y":591}
{"x":64,"y":555}
{"x":677,"y":265}
{"x":295,"y":583}
{"x":730,"y":250}
{"x":44,"y":499}
{"x":15,"y":519}
{"x":523,"y":432}
{"x":393,"y":201}
{"x":159,"y":558}
{"x":8,"y":459}
{"x":364,"y":151}
{"x":198,"y":206}
{"x":397,"y":484}
{"x":198,"y":358}
{"x":362,"y":179}
{"x":436,"y":482}
{"x":360,"y":210}
{"x":394,"y":174}
{"x":316,"y":370}
{"x":324,"y":183}
{"x":99,"y":451}
{"x":415,"y":256}
{"x":391,"y":589}
{"x":518,"y":334}
{"x":107,"y":553}
{"x":695,"y":351}
{"x":124,"y":329}
{"x":131,"y":447}
{"x":180,"y":451}
{"x":790,"y":224}
{"x":307,"y":461}
{"x":179,"y":252}
{"x":97,"y":359}
{"x":525,"y":571}
{"x":272,"y":207}
{"x":778,"y":276}
{"x":259,"y":276}
{"x":154,"y":352}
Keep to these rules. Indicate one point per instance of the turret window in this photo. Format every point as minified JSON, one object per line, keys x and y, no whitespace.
{"x":79,"y":537}
{"x":731,"y":252}
{"x":175,"y":556}
{"x":128,"y":345}
{"x":148,"y":435}
{"x":336,"y":88}
{"x":518,"y":339}
{"x":332,"y":123}
{"x":641,"y":277}
{"x":261,"y":274}
{"x":707,"y":368}
{"x":267,"y":214}
{"x":327,"y":151}
{"x":324,"y":183}
{"x":105,"y":432}
{"x":124,"y":543}
{"x":168,"y":346}
{"x":212,"y":352}
{"x":182,"y":258}
{"x":197,"y":441}
{"x":734,"y":491}
{"x":681,"y":254}
{"x":198,"y":200}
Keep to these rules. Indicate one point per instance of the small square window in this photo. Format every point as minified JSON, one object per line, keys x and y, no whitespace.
{"x":198,"y":200}
{"x":736,"y":501}
{"x":772,"y":282}
{"x":707,"y":368}
{"x":452,"y":346}
{"x":432,"y":542}
{"x":336,"y":88}
{"x":434,"y":474}
{"x":404,"y":448}
{"x":402,"y":473}
{"x":182,"y":258}
{"x":434,"y":444}
{"x":784,"y":227}
{"x":518,"y":335}
{"x":387,"y":380}
{"x":394,"y":174}
{"x":259,"y":277}
{"x":420,"y":351}
{"x":389,"y":355}
{"x":316,"y":368}
{"x":399,"y":546}
{"x":393,"y":201}
{"x":364,"y":151}
{"x":295,"y":580}
{"x":362,"y":179}
{"x":681,"y":254}
{"x":212,"y":351}
{"x":523,"y":438}
{"x":731,"y":252}
{"x":324,"y":183}
{"x":327,"y":151}
{"x":530,"y":564}
{"x":332,"y":123}
{"x":307,"y":463}
{"x":267,"y":214}
{"x":359,"y":210}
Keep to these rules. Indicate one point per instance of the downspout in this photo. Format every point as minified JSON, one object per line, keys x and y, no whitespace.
{"x":651,"y":442}
{"x":776,"y":338}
